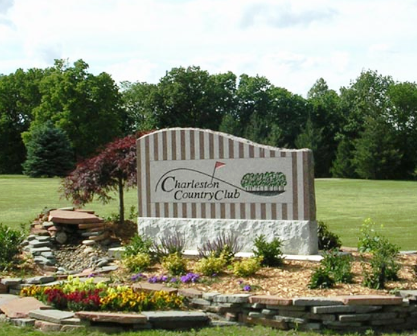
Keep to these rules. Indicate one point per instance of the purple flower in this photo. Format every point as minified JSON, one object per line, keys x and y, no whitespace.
{"x":91,"y":275}
{"x":240,"y":282}
{"x":153,"y":279}
{"x":190,"y":277}
{"x":163,"y":278}
{"x":137,"y":277}
{"x":247,"y":288}
{"x":214,"y":275}
{"x":174,"y":279}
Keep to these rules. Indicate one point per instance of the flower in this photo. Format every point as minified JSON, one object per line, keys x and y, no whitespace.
{"x":138,"y":276}
{"x":247,"y":288}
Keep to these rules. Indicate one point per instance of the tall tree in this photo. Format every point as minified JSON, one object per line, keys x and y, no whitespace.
{"x":19,"y":95}
{"x":87,"y":107}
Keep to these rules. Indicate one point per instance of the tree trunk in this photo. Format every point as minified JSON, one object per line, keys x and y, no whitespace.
{"x":121,"y":202}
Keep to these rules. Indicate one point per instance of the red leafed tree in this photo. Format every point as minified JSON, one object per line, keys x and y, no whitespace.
{"x":113,"y":169}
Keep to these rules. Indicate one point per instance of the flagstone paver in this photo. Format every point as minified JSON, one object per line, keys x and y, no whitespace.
{"x":21,"y":307}
{"x":122,"y":318}
{"x":51,"y":315}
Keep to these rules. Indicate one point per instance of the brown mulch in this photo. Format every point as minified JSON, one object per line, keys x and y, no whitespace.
{"x":292,"y":278}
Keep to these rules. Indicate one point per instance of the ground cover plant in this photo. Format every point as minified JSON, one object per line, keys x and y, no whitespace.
{"x":343,"y":204}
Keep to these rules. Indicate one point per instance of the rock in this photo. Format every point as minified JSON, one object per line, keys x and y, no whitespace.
{"x":88,"y":242}
{"x":61,"y":237}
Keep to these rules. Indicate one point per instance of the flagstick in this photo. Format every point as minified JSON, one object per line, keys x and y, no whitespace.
{"x":212,"y":175}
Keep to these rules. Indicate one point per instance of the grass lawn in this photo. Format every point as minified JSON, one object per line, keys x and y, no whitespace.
{"x":343,"y":204}
{"x":7,"y":330}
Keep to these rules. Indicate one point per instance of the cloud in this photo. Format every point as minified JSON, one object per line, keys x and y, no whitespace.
{"x":283,"y":15}
{"x":5,"y":6}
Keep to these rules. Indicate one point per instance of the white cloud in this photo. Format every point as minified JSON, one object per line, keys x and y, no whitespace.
{"x":292,"y":43}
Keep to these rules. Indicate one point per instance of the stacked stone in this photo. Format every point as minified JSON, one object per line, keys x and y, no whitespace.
{"x":356,"y":313}
{"x":40,"y":247}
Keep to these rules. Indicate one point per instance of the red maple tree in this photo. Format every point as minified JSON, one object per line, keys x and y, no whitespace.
{"x":113,"y":169}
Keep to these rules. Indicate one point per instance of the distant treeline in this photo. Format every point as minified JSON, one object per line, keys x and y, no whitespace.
{"x":367,"y":129}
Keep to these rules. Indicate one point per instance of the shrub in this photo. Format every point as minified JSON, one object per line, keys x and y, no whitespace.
{"x":138,"y":262}
{"x":9,"y":242}
{"x":383,"y":264}
{"x":327,"y":240}
{"x":138,"y":244}
{"x":211,"y":265}
{"x":227,"y":245}
{"x":338,"y":266}
{"x":247,"y":266}
{"x":320,"y":279}
{"x":174,"y":264}
{"x":169,"y":245}
{"x":269,"y":252}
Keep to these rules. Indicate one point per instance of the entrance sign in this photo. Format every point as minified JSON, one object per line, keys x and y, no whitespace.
{"x":206,"y":183}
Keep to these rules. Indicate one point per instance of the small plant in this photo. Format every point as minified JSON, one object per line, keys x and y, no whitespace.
{"x":138,"y":244}
{"x":9,"y":242}
{"x":338,"y":266}
{"x":383,"y":265}
{"x":327,"y":239}
{"x":270,"y":252}
{"x":169,"y":245}
{"x":321,"y":279}
{"x":137,"y":263}
{"x":247,"y":267}
{"x":174,"y":264}
{"x":211,"y":265}
{"x":227,"y":245}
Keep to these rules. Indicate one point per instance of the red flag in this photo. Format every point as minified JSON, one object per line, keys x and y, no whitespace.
{"x":219,"y":164}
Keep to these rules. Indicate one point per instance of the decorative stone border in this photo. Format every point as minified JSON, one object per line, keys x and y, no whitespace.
{"x":347,"y":313}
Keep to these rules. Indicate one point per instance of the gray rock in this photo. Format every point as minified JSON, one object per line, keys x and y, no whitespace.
{"x":50,"y":315}
{"x":40,"y":280}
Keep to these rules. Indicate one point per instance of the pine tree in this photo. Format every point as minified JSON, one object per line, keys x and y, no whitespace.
{"x":49,"y":153}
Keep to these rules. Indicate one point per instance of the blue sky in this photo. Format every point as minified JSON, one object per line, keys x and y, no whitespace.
{"x":291,"y":42}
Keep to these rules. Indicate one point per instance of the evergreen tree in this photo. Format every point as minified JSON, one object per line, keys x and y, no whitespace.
{"x":48,"y":153}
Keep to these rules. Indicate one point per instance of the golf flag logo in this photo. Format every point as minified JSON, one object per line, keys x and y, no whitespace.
{"x":217,"y":165}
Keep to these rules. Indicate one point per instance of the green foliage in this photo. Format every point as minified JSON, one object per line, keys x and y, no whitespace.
{"x":174,"y":264}
{"x":383,"y":265}
{"x":138,"y":244}
{"x":137,"y":263}
{"x":169,"y":244}
{"x":225,"y":244}
{"x":338,"y":266}
{"x":327,"y":239}
{"x":211,"y":265}
{"x":9,"y":241}
{"x":247,"y":267}
{"x":269,"y":252}
{"x":321,"y":279}
{"x":49,"y":153}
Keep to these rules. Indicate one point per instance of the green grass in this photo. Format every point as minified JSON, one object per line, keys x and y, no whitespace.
{"x":22,"y":199}
{"x":8,"y":330}
{"x":343,"y":204}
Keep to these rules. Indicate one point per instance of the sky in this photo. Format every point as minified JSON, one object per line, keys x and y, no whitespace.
{"x":293,"y":43}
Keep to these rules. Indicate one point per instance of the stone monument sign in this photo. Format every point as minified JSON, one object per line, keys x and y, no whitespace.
{"x":203,"y":183}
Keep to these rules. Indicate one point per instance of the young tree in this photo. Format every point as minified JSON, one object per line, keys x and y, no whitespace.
{"x":49,"y":153}
{"x":111,"y":170}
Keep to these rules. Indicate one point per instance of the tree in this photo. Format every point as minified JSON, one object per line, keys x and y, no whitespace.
{"x":87,"y":107}
{"x":19,"y":95}
{"x":48,"y":153}
{"x":113,"y":169}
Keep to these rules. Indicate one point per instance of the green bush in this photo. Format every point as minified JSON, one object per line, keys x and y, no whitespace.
{"x":174,"y":264}
{"x":269,"y":252}
{"x":9,"y":245}
{"x":383,"y":265}
{"x":327,"y":240}
{"x":137,"y":263}
{"x":247,"y":267}
{"x":320,"y":279}
{"x":338,"y":266}
{"x":211,"y":265}
{"x":138,"y":244}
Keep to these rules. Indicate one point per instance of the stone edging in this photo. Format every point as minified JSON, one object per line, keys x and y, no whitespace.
{"x":353,"y":313}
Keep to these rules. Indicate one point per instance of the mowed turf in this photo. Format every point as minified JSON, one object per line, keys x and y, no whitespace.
{"x":342,"y":203}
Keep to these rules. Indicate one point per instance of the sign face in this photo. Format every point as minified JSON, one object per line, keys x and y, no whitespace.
{"x":195,"y":173}
{"x":221,"y":181}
